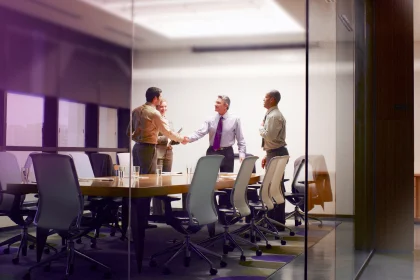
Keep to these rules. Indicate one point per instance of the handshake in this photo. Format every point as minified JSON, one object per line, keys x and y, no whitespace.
{"x":184,"y":142}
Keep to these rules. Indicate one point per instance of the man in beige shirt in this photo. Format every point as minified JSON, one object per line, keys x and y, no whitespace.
{"x":147,"y":122}
{"x":273,"y":133}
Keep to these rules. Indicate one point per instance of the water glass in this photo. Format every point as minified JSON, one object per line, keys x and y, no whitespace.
{"x":159,"y":168}
{"x":25,"y":175}
{"x":121,"y":171}
{"x":190,"y":169}
{"x":136,"y":171}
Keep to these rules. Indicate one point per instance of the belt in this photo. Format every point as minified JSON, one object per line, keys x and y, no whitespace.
{"x":276,"y":149}
{"x":146,"y":144}
{"x":221,"y":148}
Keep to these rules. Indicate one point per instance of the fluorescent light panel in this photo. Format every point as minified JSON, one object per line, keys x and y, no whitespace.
{"x":182,"y":19}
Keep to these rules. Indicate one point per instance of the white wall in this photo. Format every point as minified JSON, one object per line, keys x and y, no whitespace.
{"x":192,"y":81}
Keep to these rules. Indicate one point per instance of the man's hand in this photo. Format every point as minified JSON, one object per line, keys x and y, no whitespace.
{"x":186,"y":140}
{"x":241,"y":159}
{"x":264,"y":161}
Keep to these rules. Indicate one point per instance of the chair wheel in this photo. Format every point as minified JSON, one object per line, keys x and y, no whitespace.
{"x":268,"y":246}
{"x":93,"y":267}
{"x":187,"y":261}
{"x":32,"y":246}
{"x":223,"y":264}
{"x":15,"y":260}
{"x":166,"y":271}
{"x":107,"y":275}
{"x":292,"y":233}
{"x":47,"y":251}
{"x":79,"y":241}
{"x":27,"y":276}
{"x":213,"y":271}
{"x":283,"y":242}
{"x":152,"y":263}
{"x":258,"y":253}
{"x":47,"y":268}
{"x":243,"y":258}
{"x":6,"y":251}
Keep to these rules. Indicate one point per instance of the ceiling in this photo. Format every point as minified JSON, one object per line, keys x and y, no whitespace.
{"x":176,"y":24}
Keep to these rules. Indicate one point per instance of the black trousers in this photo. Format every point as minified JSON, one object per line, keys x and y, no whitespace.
{"x":278,"y":213}
{"x":228,"y":161}
{"x":144,"y":155}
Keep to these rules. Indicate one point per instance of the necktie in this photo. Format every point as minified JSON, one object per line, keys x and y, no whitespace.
{"x":262,"y":141}
{"x":218,"y":136}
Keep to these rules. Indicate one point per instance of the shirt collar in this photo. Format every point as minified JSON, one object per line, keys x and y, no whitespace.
{"x":271,"y":109}
{"x":151,"y":104}
{"x":224,"y":116}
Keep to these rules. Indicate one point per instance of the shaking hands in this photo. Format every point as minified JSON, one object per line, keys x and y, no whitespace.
{"x":186,"y":140}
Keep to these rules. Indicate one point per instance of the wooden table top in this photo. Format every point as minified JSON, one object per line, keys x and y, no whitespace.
{"x":148,"y":185}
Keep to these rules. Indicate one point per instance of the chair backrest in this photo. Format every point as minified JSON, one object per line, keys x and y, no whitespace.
{"x":101,"y":164}
{"x":60,"y":204}
{"x":200,"y":199}
{"x":276,"y":192}
{"x":124,"y":159}
{"x":265,"y":197}
{"x":82,"y":163}
{"x":9,"y":173}
{"x":299,"y":164}
{"x":236,"y":157}
{"x":239,"y":194}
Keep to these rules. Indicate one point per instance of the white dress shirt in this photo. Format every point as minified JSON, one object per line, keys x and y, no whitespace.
{"x":231,"y":130}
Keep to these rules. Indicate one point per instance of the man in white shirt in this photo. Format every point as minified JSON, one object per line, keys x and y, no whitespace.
{"x":223,"y":130}
{"x":273,"y":133}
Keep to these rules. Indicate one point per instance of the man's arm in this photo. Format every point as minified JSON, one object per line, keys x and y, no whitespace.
{"x":200,"y":133}
{"x":240,"y":139}
{"x":164,"y":128}
{"x":270,"y":130}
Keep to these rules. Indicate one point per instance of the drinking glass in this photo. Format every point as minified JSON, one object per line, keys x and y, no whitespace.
{"x":159,"y":168}
{"x":25,"y":175}
{"x":136,"y":171}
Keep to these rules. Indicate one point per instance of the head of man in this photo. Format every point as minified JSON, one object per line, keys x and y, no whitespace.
{"x":162,"y":107}
{"x":222,"y":104}
{"x":272,"y":99}
{"x":153,"y":95}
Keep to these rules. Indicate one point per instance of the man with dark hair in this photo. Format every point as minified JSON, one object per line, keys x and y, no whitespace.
{"x":273,"y":133}
{"x":147,"y":122}
{"x":223,"y":129}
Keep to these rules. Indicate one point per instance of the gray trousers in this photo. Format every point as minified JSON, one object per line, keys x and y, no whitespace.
{"x":278,"y":213}
{"x":144,"y":155}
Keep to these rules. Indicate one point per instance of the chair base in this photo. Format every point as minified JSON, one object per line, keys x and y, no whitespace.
{"x":271,"y":225}
{"x":187,"y":246}
{"x":70,"y":253}
{"x":23,"y":238}
{"x":299,"y":215}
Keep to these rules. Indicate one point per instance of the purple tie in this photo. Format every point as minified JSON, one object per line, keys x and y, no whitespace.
{"x":218,"y":136}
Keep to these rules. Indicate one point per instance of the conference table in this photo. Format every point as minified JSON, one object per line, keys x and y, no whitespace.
{"x":140,"y":189}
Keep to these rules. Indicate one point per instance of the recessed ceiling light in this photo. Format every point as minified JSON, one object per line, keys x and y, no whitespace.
{"x":181,"y":19}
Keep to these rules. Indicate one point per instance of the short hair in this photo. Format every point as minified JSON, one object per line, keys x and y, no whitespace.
{"x":225,"y":99}
{"x":152,"y":92}
{"x":276,"y":95}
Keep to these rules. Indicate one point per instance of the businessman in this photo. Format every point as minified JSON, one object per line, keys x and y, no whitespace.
{"x":273,"y":133}
{"x":223,"y":129}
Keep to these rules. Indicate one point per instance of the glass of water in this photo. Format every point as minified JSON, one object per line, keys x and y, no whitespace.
{"x":159,"y":168}
{"x":121,"y":171}
{"x":136,"y":171}
{"x":25,"y":175}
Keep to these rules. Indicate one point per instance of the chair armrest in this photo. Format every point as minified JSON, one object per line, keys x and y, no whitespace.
{"x":309,"y":182}
{"x":216,"y":193}
{"x":294,"y":194}
{"x":168,"y":198}
{"x":255,"y":187}
{"x":285,"y":180}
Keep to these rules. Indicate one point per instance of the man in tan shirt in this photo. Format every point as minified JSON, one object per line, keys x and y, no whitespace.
{"x":147,"y":122}
{"x":273,"y":133}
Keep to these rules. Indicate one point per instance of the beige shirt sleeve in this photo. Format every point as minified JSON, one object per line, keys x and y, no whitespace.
{"x":163,"y":126}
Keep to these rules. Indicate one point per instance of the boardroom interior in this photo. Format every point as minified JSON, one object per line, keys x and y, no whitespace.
{"x":73,"y":71}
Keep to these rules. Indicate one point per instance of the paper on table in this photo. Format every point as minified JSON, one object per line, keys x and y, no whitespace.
{"x":97,"y":178}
